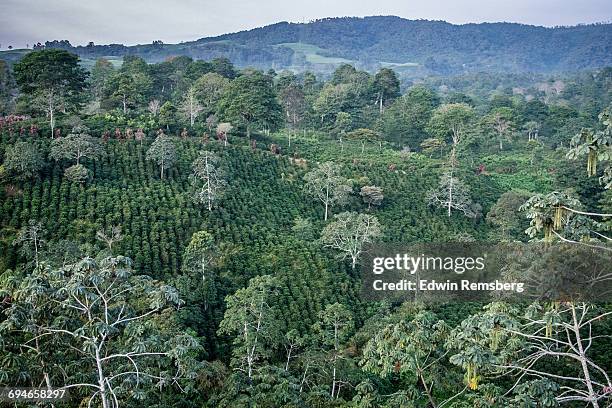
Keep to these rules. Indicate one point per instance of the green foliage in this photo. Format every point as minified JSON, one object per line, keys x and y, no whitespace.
{"x":77,"y":174}
{"x":327,"y":185}
{"x":404,"y":122}
{"x":162,"y":152}
{"x":280,"y":318}
{"x":209,"y":89}
{"x":452,"y":194}
{"x":23,"y":161}
{"x":483,"y":341}
{"x":208,"y":178}
{"x":349,"y":232}
{"x":252,"y":322}
{"x":386,"y":85}
{"x":250,"y":101}
{"x":77,"y":145}
{"x":450,"y":120}
{"x":110,"y":325}
{"x":7,"y":89}
{"x":50,"y":69}
{"x":505,"y":215}
{"x":129,"y":86}
{"x":549,"y":213}
{"x":597,"y":146}
{"x":371,"y":195}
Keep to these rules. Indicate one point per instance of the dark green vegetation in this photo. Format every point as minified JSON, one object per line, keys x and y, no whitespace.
{"x":413,"y":47}
{"x":236,"y":290}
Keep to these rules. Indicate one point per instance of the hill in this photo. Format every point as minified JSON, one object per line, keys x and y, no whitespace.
{"x":414,"y":47}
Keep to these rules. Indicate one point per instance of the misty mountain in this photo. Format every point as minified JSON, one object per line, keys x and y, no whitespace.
{"x":413,"y":47}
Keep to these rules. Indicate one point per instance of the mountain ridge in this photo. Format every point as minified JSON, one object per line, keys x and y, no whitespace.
{"x":416,"y":47}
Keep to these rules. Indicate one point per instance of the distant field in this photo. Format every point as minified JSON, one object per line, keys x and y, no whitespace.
{"x":313,"y":53}
{"x":88,"y":63}
{"x":399,"y":64}
{"x":12,"y":56}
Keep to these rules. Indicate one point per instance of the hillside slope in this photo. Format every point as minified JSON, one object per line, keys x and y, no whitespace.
{"x":415,"y":47}
{"x":437,"y":44}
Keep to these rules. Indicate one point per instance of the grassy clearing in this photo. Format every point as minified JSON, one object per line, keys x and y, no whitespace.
{"x":313,"y":54}
{"x":399,"y":64}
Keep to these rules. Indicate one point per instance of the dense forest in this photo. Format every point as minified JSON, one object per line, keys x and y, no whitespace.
{"x":415,"y":48}
{"x":186,"y":233}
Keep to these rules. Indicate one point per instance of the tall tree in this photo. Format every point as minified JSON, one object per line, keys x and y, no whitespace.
{"x":101,"y":74}
{"x":341,"y":126}
{"x":597,"y":147}
{"x":190,"y":107}
{"x":198,"y":266}
{"x":364,"y":136}
{"x":452,"y":194}
{"x":533,"y":129}
{"x":51,"y":79}
{"x":224,"y":67}
{"x":505,"y":215}
{"x":168,"y":115}
{"x":223,"y":129}
{"x":252,"y":322}
{"x":31,"y":238}
{"x":209,"y":89}
{"x":333,"y":328}
{"x":75,"y":146}
{"x":413,"y":347}
{"x":343,"y":97}
{"x":349,"y":233}
{"x":154,"y":107}
{"x":501,"y":123}
{"x":206,"y":172}
{"x":451,"y":119}
{"x":386,"y":86}
{"x":8,"y":89}
{"x":327,"y":185}
{"x":250,"y":102}
{"x":405,"y":120}
{"x":294,"y":103}
{"x":130,"y":85}
{"x":115,"y":330}
{"x":110,"y":236}
{"x":23,"y":161}
{"x":162,"y":152}
{"x":562,"y":217}
{"x":563,"y":332}
{"x":371,"y":195}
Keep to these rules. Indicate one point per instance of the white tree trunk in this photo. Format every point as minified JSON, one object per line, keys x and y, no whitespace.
{"x":36,"y":250}
{"x":101,"y":378}
{"x":326,"y":202}
{"x":450,"y":194}
{"x":583,"y":360}
{"x":51,"y":119}
{"x":288,"y":358}
{"x":208,"y":192}
{"x":333,"y":390}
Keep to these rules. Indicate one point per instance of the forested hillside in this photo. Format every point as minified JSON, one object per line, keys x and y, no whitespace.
{"x":415,"y":48}
{"x":190,"y":234}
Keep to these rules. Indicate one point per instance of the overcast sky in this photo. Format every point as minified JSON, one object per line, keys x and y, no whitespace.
{"x":142,"y":21}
